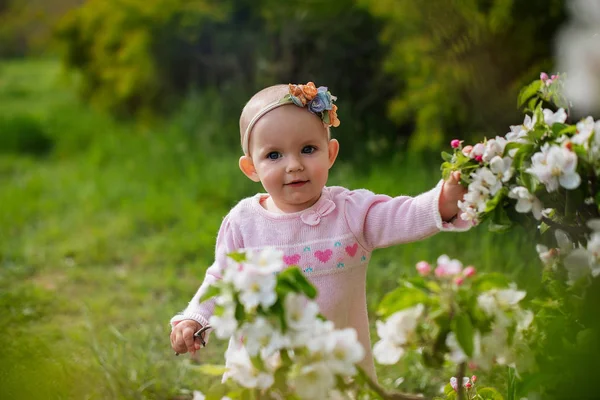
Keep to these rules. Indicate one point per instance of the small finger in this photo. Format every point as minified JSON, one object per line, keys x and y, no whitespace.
{"x":188,"y":337}
{"x":180,"y":346}
{"x":456,"y":176}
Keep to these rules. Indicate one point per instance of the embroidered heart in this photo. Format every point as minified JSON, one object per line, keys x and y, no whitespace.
{"x":291,"y":260}
{"x":323,"y":256}
{"x":351,"y":250}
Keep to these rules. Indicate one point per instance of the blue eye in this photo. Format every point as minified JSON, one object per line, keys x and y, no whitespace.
{"x":308,"y":149}
{"x":274,"y":155}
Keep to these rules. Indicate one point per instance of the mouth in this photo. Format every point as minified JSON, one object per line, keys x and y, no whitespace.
{"x":296,"y":183}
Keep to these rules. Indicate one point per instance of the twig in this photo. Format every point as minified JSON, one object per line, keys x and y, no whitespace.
{"x":574,"y":230}
{"x":459,"y":378}
{"x":388,"y":395}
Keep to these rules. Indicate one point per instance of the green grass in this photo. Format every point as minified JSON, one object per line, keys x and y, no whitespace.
{"x":106,"y":236}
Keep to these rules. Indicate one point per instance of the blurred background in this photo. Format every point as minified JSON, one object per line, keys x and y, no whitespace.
{"x":119,"y":145}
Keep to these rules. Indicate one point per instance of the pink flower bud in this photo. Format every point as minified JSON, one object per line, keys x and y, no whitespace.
{"x":459,"y":280}
{"x":544,"y":76}
{"x":440,"y":271}
{"x":468,"y":385}
{"x":469,"y":271}
{"x":479,"y":158}
{"x":554,"y":77}
{"x":423,"y":268}
{"x":467,"y":150}
{"x":455,"y":143}
{"x":473,"y":379}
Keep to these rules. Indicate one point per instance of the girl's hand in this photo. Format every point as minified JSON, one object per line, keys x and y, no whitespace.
{"x":182,"y":337}
{"x":452,"y":192}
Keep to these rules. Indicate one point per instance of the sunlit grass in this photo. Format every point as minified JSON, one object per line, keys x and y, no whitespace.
{"x":103,"y":239}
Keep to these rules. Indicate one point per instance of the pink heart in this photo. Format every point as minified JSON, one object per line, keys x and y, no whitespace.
{"x":323,"y":256}
{"x":291,"y":260}
{"x":351,"y":250}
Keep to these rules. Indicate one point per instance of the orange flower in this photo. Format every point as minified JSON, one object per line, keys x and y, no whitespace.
{"x":304,"y":93}
{"x":333,"y":118}
{"x":309,"y":90}
{"x":296,"y":91}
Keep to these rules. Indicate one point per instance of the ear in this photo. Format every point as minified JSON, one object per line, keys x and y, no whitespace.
{"x":334,"y":148}
{"x":247,"y":167}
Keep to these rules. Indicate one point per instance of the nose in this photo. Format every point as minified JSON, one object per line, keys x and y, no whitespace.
{"x":294,"y":165}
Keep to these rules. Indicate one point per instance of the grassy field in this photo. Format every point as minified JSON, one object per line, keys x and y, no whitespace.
{"x":106,"y":228}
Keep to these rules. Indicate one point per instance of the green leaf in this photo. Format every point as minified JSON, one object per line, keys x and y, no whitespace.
{"x":558,"y":128}
{"x":500,"y":221}
{"x":492,"y":204}
{"x":211,"y":292}
{"x":211,"y":369}
{"x":446,"y":156}
{"x":401,"y":298}
{"x":448,"y":389}
{"x":484,"y":282}
{"x":237,"y":256}
{"x":294,"y":280}
{"x":463,"y":328}
{"x":240,"y":314}
{"x":511,"y":145}
{"x":568,"y":129}
{"x":528,"y":91}
{"x":488,"y":393}
{"x":581,"y":152}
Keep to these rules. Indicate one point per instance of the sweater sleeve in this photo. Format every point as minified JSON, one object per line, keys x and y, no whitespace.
{"x":202,"y":311}
{"x":381,"y":221}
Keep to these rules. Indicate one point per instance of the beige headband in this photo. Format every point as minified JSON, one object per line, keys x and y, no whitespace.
{"x":317,"y":100}
{"x":246,"y":137}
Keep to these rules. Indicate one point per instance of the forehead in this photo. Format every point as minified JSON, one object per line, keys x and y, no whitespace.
{"x":287,"y":123}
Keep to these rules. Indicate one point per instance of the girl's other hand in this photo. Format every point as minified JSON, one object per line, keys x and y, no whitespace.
{"x":182,"y":336}
{"x":452,"y":192}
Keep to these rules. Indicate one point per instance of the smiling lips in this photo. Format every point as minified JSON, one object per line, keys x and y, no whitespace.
{"x":296,"y":183}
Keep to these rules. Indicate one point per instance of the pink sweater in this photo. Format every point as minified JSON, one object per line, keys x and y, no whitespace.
{"x":332,"y":243}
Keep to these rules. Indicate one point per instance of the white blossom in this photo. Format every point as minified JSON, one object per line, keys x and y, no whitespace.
{"x":457,"y":354}
{"x":265,"y":261}
{"x":546,"y":255}
{"x":518,"y":133}
{"x":224,"y":325}
{"x":395,"y":333}
{"x":502,"y":168}
{"x":551,"y":118}
{"x":240,"y":369}
{"x":313,"y":381}
{"x":300,"y":313}
{"x":526,"y":201}
{"x":486,"y":179}
{"x":555,"y":165}
{"x":585,"y":128}
{"x":448,"y":265}
{"x":493,"y":148}
{"x":261,"y":335}
{"x":345,"y":352}
{"x":494,"y":301}
{"x":258,"y":289}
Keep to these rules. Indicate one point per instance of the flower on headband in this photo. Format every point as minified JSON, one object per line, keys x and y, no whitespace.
{"x":318,"y":101}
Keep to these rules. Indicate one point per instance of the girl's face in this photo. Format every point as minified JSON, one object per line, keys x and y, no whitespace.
{"x":291,"y":156}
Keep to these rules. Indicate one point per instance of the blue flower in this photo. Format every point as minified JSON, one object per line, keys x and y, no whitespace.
{"x":296,"y":101}
{"x":325,"y":96}
{"x":316,"y":105}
